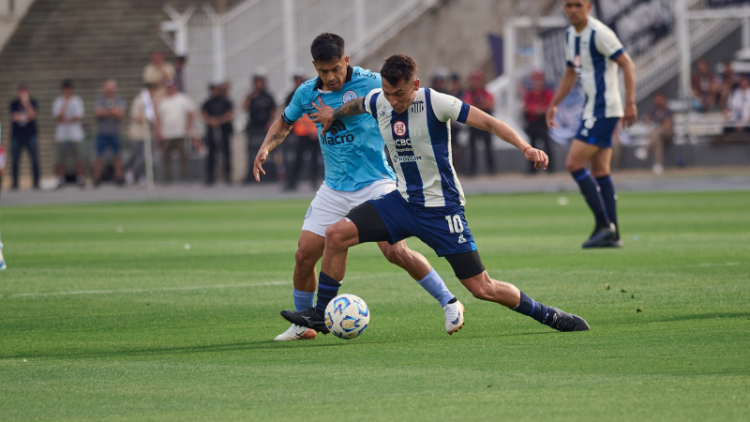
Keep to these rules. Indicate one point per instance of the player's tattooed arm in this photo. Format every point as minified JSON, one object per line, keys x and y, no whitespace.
{"x":325,"y":115}
{"x":275,"y":136}
{"x":352,"y":108}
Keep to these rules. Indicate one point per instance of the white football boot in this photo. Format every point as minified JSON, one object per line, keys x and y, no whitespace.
{"x":295,"y":332}
{"x":2,"y":260}
{"x":454,"y":317}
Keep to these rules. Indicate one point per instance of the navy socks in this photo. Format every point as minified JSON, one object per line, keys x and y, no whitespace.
{"x":609,"y":197}
{"x":534,"y":309}
{"x":328,"y":288}
{"x":590,"y":190}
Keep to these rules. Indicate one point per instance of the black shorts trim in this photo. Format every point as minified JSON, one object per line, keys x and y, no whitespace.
{"x":370,"y":226}
{"x":466,"y":264}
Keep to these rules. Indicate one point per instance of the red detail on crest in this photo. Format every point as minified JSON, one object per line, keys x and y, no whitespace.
{"x":399,"y":128}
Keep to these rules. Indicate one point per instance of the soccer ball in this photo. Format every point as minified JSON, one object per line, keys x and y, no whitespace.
{"x":347,"y":316}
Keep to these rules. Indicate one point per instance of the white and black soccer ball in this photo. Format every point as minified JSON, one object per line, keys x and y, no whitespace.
{"x":347,"y":316}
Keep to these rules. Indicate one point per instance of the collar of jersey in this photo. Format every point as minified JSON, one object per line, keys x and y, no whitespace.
{"x":319,"y":83}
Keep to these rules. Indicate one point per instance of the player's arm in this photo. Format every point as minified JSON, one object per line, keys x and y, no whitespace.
{"x":274,"y":137}
{"x":483,"y":121}
{"x":628,"y":70}
{"x":326,"y":115}
{"x":566,"y":85}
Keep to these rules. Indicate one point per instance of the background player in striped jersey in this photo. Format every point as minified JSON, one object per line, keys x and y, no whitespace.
{"x":593,"y":54}
{"x":355,"y":170}
{"x":429,"y":202}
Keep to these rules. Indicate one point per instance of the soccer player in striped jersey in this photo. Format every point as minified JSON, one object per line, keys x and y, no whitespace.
{"x":593,"y":54}
{"x":428,"y":202}
{"x":356,"y":170}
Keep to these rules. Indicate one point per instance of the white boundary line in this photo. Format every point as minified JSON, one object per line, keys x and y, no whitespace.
{"x":158,"y":289}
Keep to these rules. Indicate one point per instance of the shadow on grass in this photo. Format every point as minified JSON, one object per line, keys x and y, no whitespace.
{"x":249,"y":346}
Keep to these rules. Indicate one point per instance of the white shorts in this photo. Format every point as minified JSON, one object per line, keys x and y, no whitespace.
{"x":330,"y":205}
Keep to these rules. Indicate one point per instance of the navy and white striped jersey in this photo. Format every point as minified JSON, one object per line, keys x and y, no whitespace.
{"x":592,"y":53}
{"x":419,"y":143}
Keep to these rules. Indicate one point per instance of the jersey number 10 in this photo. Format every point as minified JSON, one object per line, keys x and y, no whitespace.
{"x":454,"y":223}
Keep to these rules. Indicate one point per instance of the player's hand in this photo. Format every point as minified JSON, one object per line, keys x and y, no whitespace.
{"x":538,"y":156}
{"x":631,"y":115}
{"x":551,"y":112}
{"x":258,"y":164}
{"x":323,"y":115}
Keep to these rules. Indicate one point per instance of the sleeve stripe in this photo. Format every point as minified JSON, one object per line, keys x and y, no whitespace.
{"x":364,"y":106}
{"x":617,"y":54}
{"x":373,"y":105}
{"x":464,"y":114}
{"x":286,"y":119}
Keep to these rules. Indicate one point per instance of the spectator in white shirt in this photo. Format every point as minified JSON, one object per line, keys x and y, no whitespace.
{"x":174,"y":124}
{"x":738,"y":107}
{"x":68,"y":112}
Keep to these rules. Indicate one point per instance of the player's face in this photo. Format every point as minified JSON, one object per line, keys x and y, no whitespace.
{"x":577,"y":10}
{"x":402,"y":94}
{"x":332,"y":73}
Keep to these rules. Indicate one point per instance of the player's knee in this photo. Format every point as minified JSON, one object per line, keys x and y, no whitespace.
{"x":597,"y":173}
{"x":572,"y":165}
{"x":479,"y":291}
{"x":394,"y":255}
{"x":305,"y":256}
{"x":336,"y":236}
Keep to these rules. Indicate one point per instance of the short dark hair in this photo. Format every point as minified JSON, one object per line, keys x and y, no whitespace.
{"x":326,"y":47}
{"x":67,"y":83}
{"x":398,"y":67}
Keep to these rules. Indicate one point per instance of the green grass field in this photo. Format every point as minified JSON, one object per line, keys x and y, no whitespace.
{"x":105,"y":314}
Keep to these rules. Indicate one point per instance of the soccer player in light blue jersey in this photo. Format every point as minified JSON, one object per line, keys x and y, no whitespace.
{"x":428,"y":203}
{"x":356,"y":170}
{"x":593,"y":54}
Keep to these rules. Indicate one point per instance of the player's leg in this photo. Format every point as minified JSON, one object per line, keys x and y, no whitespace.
{"x":600,"y":169}
{"x":581,"y":152}
{"x":470,"y":270}
{"x":419,"y":269}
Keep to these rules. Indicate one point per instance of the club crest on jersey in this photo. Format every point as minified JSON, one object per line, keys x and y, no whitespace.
{"x":348,"y":96}
{"x":399,"y":128}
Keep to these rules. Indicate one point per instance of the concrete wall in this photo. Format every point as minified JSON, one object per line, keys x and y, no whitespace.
{"x":452,"y":35}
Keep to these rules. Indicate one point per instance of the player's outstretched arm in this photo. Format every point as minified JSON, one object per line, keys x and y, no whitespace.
{"x":628,"y":70}
{"x":275,"y":136}
{"x":483,"y":121}
{"x":566,"y":84}
{"x":325,"y":115}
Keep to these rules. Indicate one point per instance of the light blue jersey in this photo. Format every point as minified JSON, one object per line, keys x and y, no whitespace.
{"x":353,"y":150}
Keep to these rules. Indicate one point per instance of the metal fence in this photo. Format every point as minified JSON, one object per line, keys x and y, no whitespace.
{"x":272,"y":37}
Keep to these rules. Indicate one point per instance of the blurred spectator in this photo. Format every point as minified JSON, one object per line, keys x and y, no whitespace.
{"x":68,"y":112}
{"x":174,"y":124}
{"x":738,"y":108}
{"x":705,"y":87}
{"x":536,"y":101}
{"x":440,"y":81}
{"x":729,"y":80}
{"x":483,"y":100}
{"x":142,"y":115}
{"x":110,"y":110}
{"x":662,"y":118}
{"x":23,"y":113}
{"x":158,"y":72}
{"x":179,"y":72}
{"x":260,"y":106}
{"x":305,"y":139}
{"x":455,"y":89}
{"x":217,"y":113}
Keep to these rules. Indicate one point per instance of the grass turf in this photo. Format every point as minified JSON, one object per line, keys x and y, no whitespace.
{"x":105,"y":314}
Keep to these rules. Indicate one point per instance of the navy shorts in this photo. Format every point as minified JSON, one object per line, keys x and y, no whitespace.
{"x":104,"y":141}
{"x":597,"y":131}
{"x":443,"y":229}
